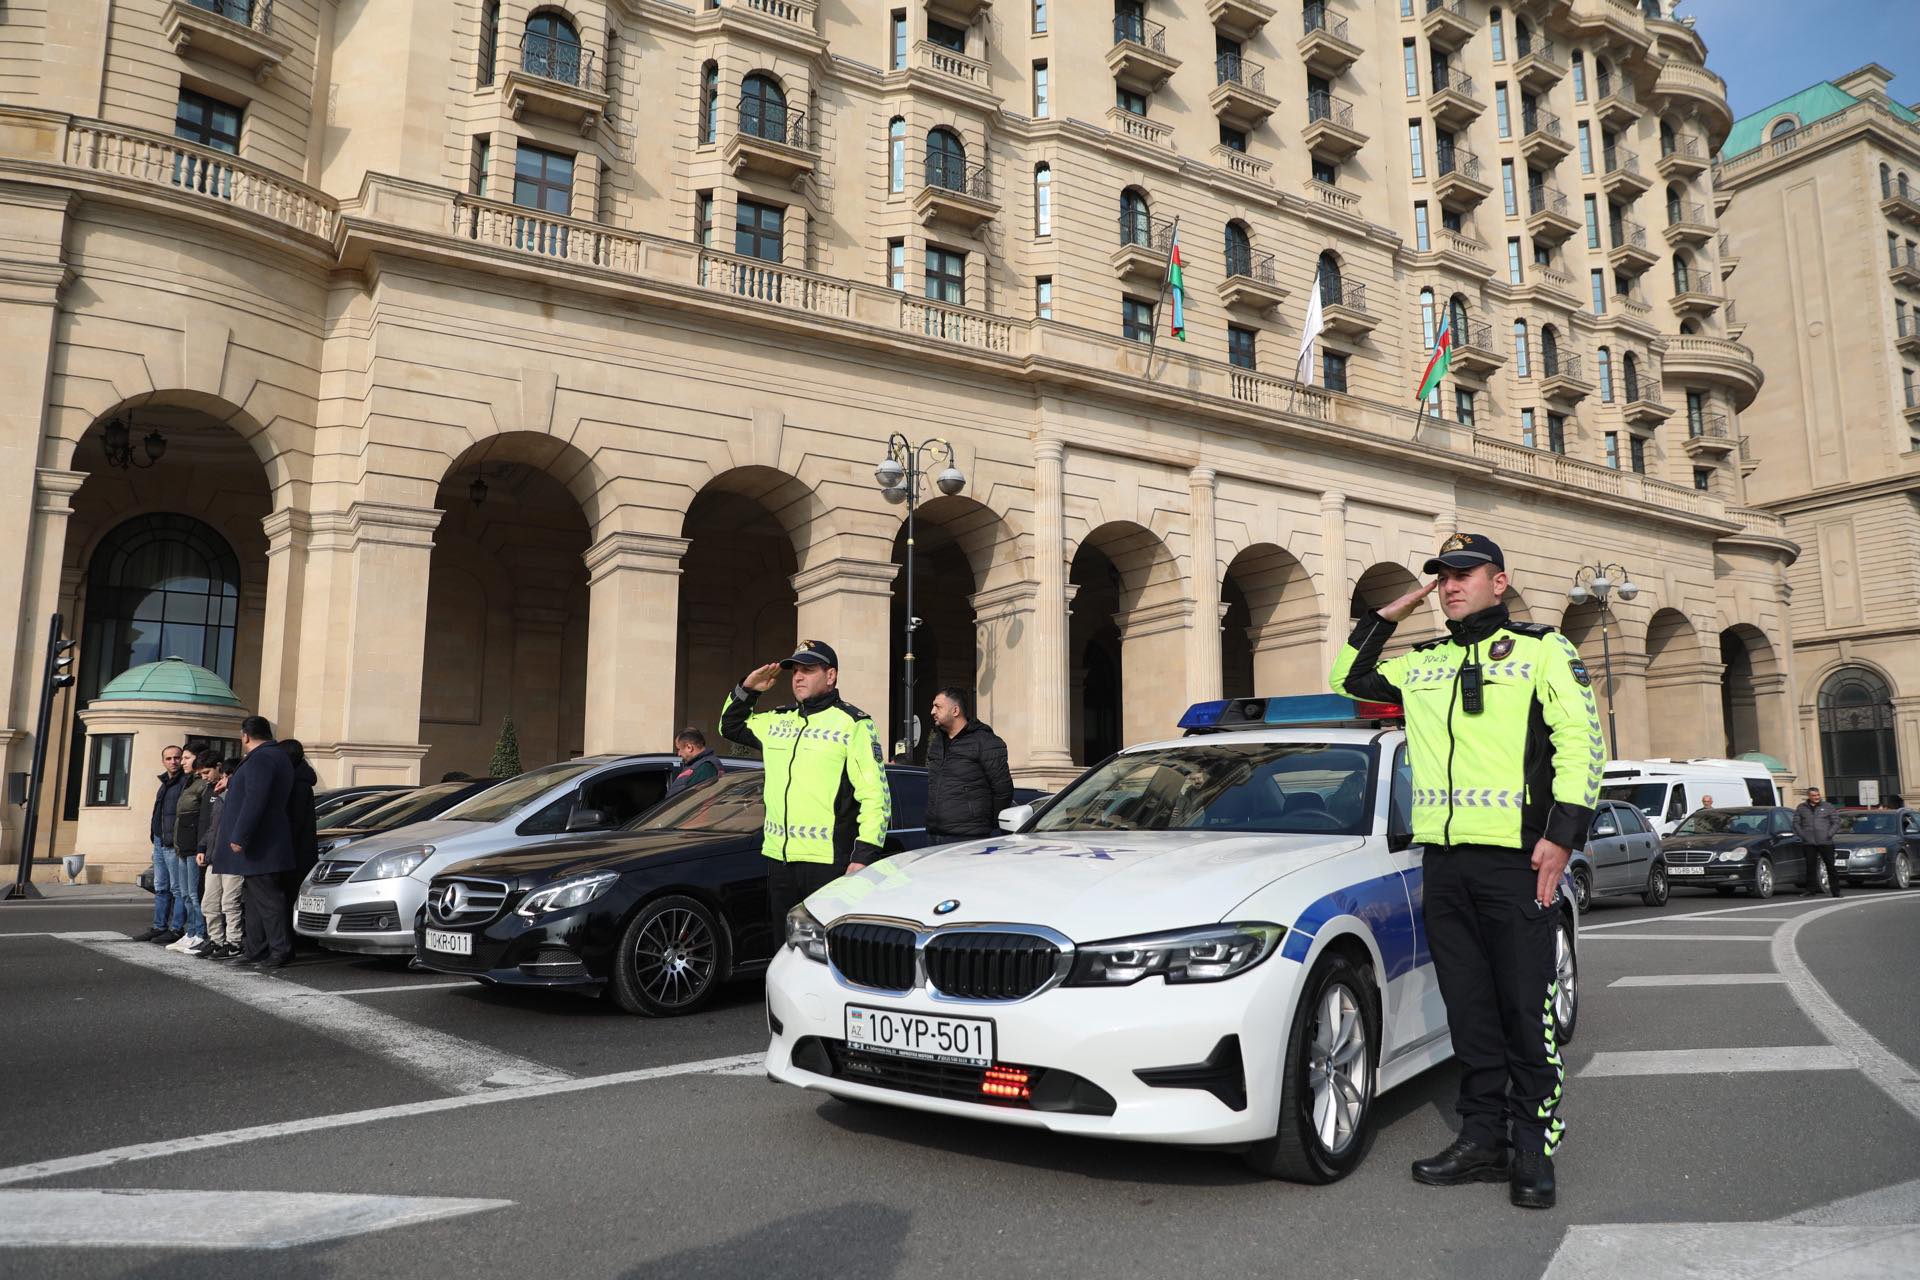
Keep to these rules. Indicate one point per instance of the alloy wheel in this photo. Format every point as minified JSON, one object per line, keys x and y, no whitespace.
{"x":1339,"y":1069}
{"x":674,"y":957}
{"x":1566,"y":975}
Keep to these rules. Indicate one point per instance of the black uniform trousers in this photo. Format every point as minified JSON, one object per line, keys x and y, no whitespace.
{"x":264,"y":917}
{"x":1493,"y":953}
{"x":791,"y":883}
{"x":1819,"y":855}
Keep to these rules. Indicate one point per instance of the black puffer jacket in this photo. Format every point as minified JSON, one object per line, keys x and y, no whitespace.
{"x":968,"y":782}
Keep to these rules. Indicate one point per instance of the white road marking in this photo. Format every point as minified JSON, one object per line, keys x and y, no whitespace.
{"x":44,"y":934}
{"x":166,"y":1219}
{"x":1724,"y":1251}
{"x":381,"y":991}
{"x":113,"y":1156}
{"x":1698,"y":980}
{"x":1679,"y":937}
{"x":1698,"y":1062}
{"x":446,"y":1061}
{"x":1688,"y":915}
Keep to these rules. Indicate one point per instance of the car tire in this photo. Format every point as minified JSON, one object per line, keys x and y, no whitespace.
{"x":1297,"y":1152}
{"x":1582,"y":889}
{"x":1566,"y":976}
{"x":1657,"y":887}
{"x":1762,"y":886}
{"x":1902,"y":876}
{"x":673,"y":956}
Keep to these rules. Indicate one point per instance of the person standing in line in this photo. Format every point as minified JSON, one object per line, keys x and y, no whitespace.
{"x":169,"y":909}
{"x":968,"y":781}
{"x":827,"y":801}
{"x":186,"y":845}
{"x":300,"y":820}
{"x":1815,"y":822}
{"x":1506,"y":748}
{"x":220,"y":902}
{"x":698,"y":763}
{"x":256,"y":842}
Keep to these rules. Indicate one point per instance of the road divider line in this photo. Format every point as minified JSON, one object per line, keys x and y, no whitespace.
{"x":114,"y":1156}
{"x":445,"y":1061}
{"x":1699,"y":980}
{"x":1690,"y":915}
{"x":381,"y":991}
{"x":1678,"y":937}
{"x":1704,"y":1062}
{"x":168,"y":1219}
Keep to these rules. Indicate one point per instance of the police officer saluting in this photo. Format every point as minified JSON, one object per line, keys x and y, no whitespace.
{"x":1506,"y":748}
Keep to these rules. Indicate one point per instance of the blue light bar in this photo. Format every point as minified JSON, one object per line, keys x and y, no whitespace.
{"x":1311,"y":708}
{"x":1204,"y":715}
{"x":1303,"y":709}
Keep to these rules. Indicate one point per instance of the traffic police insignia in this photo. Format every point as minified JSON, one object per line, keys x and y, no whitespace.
{"x":948,"y":907}
{"x":1501,"y":648}
{"x":1580,"y":674}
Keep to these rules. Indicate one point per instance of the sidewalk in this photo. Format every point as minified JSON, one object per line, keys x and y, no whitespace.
{"x":53,"y":888}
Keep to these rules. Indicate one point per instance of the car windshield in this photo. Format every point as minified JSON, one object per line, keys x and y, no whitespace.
{"x":1292,"y":787}
{"x":1720,"y":822}
{"x":354,"y":811}
{"x":1647,"y":797}
{"x":1869,"y":824}
{"x":727,"y":805}
{"x":498,"y":803}
{"x":399,"y":812}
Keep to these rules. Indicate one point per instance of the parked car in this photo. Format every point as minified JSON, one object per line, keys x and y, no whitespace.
{"x":366,"y":897}
{"x":1621,"y":857}
{"x":660,"y":915}
{"x":354,"y":808}
{"x":1666,"y":791}
{"x":1751,"y":848}
{"x":398,"y":810}
{"x":333,"y":798}
{"x":1877,"y":846}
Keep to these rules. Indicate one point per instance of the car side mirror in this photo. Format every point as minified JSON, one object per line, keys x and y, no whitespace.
{"x":1399,"y":841}
{"x":1602,"y":830}
{"x":588,"y":820}
{"x":1018,"y":816}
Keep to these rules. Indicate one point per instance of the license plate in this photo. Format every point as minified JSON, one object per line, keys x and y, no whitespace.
{"x":454,"y":944}
{"x":1686,"y":871}
{"x":1839,"y":859}
{"x":927,"y":1037}
{"x":313,"y":905}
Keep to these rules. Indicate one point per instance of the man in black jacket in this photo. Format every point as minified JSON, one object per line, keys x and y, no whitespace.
{"x":169,"y":900}
{"x":257,"y":841}
{"x":968,"y":782}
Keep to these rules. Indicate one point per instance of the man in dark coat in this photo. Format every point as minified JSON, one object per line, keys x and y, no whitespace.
{"x":1815,"y":822}
{"x":257,"y":841}
{"x":968,"y":782}
{"x":169,"y":902}
{"x":698,"y":764}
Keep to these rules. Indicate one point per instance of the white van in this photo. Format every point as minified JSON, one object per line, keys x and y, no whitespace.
{"x":1668,"y":790}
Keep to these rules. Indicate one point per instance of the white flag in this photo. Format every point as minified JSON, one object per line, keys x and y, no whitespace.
{"x":1309,"y":330}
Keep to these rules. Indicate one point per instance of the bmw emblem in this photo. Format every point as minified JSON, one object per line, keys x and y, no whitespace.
{"x":948,"y":907}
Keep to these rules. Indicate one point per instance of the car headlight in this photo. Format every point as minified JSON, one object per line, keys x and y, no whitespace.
{"x":567,"y":894}
{"x":1736,"y":854}
{"x":1205,"y":954}
{"x":806,"y":934}
{"x":393,"y":863}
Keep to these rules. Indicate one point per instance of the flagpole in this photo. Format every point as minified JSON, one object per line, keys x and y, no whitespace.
{"x":1166,"y":278}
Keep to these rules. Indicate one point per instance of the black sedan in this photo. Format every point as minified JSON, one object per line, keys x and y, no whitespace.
{"x":399,"y":809}
{"x":1877,"y":846}
{"x":1751,"y":848}
{"x":658,"y":914}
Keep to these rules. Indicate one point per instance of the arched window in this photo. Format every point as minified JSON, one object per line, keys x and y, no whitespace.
{"x":1331,"y":288}
{"x":551,"y":49}
{"x":1603,"y":361}
{"x":1903,"y":184}
{"x":1457,"y":317}
{"x":1857,"y":734}
{"x":1682,"y":273}
{"x":1668,"y":139}
{"x":1579,"y":76}
{"x":1602,"y":77}
{"x":1549,"y":349}
{"x":159,"y":586}
{"x":1522,"y":37}
{"x":1782,"y":127}
{"x":490,"y":44}
{"x":1043,"y":200}
{"x":1239,"y":250}
{"x":946,"y":160}
{"x":1690,"y":328}
{"x":1651,"y":8}
{"x":1886,"y":181}
{"x":1675,"y":207}
{"x":1521,"y":355}
{"x":1136,"y":217}
{"x":1426,"y":318}
{"x":897,"y":154}
{"x":763,"y":107}
{"x":1631,"y":364}
{"x":709,"y":103}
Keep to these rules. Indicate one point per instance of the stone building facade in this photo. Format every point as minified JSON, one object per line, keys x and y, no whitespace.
{"x":535,"y":359}
{"x":1821,"y":196}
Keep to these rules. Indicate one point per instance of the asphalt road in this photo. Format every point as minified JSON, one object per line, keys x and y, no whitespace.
{"x":1740,"y":1100}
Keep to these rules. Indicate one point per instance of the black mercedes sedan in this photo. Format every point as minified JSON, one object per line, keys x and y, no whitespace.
{"x":657,"y":915}
{"x":1751,"y":848}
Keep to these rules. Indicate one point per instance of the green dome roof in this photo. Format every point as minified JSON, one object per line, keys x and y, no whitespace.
{"x":169,"y":680}
{"x":1774,"y":763}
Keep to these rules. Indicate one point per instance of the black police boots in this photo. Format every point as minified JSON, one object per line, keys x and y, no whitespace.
{"x":1531,"y":1184}
{"x":1462,"y":1162}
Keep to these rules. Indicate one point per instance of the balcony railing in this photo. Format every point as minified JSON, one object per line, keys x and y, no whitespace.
{"x":1627,"y":234}
{"x":950,"y":174}
{"x":1231,"y":68}
{"x":777,"y":124}
{"x":1253,"y":266}
{"x":1344,"y":293}
{"x":1322,"y":105}
{"x":1561,"y":364}
{"x":1449,"y":80}
{"x":1457,"y":159}
{"x":1611,"y":88}
{"x":1708,"y":424}
{"x":1131,"y":28}
{"x":1451,"y":6}
{"x":561,"y":61}
{"x":1472,"y":333}
{"x":1316,"y":18}
{"x":1724,"y":244}
{"x":198,"y":173}
{"x":1906,"y":257}
{"x":1908,"y":324}
{"x":1536,"y":46}
{"x":257,"y":14}
{"x":1679,"y":211}
{"x":1539,"y":120}
{"x":1545,"y":199}
{"x":1147,"y":232}
{"x":1680,"y":145}
{"x":1619,"y":160}
{"x":1694,"y":284}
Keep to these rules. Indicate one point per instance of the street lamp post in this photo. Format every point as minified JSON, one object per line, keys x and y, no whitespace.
{"x":900,"y":476}
{"x":1597,"y":582}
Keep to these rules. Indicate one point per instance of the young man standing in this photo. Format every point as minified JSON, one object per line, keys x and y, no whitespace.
{"x":968,"y":782}
{"x":169,"y":902}
{"x":1507,"y":754}
{"x":1815,"y":822}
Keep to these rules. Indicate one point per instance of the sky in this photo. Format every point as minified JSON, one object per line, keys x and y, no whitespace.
{"x":1768,"y":49}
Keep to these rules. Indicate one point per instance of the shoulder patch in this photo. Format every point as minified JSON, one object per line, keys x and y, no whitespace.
{"x":1432,"y":644}
{"x":1530,"y":628}
{"x":854,"y":712}
{"x":779,"y":711}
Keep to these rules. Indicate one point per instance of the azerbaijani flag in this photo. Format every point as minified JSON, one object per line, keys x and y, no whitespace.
{"x":1441,"y":362}
{"x":1177,"y":283}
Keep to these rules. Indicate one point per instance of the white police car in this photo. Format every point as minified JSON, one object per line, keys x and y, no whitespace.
{"x":1210,"y":940}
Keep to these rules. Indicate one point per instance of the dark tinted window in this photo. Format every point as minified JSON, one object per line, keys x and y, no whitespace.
{"x":1782,"y":822}
{"x":550,"y":820}
{"x":909,"y":800}
{"x":626,"y":795}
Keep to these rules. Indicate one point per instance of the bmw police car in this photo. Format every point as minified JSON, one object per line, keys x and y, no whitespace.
{"x":1211,"y":940}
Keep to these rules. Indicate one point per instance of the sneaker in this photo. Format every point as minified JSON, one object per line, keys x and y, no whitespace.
{"x":212,"y":951}
{"x":149,"y":935}
{"x":168,"y":938}
{"x":196,"y":945}
{"x":185,"y":942}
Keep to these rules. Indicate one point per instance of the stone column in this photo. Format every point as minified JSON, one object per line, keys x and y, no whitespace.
{"x":288,"y":531}
{"x":1906,"y":739}
{"x":536,"y":698}
{"x":1051,"y":756}
{"x":1203,"y":641}
{"x":1630,"y":702}
{"x":1684,"y":709}
{"x":849,"y":604}
{"x":1004,"y":622}
{"x":1153,"y":642}
{"x":632,"y":633}
{"x":1773,"y":713}
{"x":1336,"y":584}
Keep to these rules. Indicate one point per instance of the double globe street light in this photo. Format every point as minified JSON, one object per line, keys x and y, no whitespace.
{"x":1596,"y":582}
{"x":900,"y":475}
